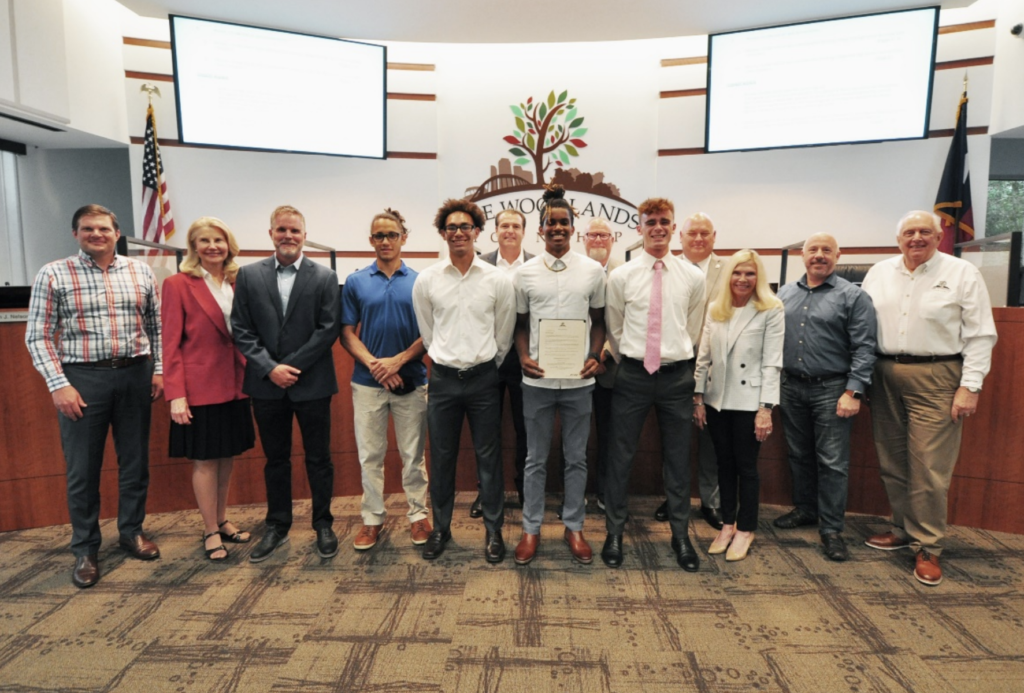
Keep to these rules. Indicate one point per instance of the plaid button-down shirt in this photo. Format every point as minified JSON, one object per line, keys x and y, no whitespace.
{"x":80,"y":313}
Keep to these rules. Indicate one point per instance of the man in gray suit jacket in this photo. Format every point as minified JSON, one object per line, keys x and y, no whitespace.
{"x":698,"y":239}
{"x":285,"y":321}
{"x":510,"y":227}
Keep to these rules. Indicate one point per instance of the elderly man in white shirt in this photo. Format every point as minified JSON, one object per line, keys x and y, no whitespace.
{"x":565,"y":289}
{"x":935,"y":339}
{"x":466,"y":312}
{"x":654,"y":305}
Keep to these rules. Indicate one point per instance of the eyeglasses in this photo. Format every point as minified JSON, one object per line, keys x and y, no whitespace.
{"x":599,"y":236}
{"x":464,"y":228}
{"x":390,"y":235}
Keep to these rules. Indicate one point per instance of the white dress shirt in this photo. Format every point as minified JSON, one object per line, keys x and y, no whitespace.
{"x":504,"y":264}
{"x":224,"y":295}
{"x":941,"y":308}
{"x":466,"y":319}
{"x":682,"y":307}
{"x":702,"y":265}
{"x":549,"y":295}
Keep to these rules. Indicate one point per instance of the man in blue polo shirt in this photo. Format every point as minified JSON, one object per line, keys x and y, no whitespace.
{"x":379,"y":329}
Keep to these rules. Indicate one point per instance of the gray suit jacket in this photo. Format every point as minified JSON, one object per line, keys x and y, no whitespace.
{"x":301,"y":337}
{"x":492,"y":258}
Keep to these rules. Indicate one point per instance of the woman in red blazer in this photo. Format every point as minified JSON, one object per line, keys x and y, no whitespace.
{"x":211,"y":420}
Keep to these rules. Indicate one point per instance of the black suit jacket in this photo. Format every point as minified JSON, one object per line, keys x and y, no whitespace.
{"x":301,"y":337}
{"x":510,"y":366}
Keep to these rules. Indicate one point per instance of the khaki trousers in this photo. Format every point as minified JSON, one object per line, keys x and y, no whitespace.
{"x":918,"y":445}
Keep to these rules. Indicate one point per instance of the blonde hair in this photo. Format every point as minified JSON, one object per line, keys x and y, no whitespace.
{"x":763,"y":298}
{"x":192,"y":265}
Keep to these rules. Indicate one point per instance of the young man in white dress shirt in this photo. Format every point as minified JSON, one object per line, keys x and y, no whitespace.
{"x":560,"y":285}
{"x":935,"y":339}
{"x":654,"y":305}
{"x":465,"y":309}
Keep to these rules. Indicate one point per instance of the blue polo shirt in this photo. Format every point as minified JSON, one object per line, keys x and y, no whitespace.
{"x":383,"y":308}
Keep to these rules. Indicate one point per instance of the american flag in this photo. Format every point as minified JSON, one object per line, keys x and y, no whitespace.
{"x":157,"y":222}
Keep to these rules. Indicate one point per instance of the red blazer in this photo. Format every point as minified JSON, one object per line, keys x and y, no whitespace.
{"x":201,"y":362}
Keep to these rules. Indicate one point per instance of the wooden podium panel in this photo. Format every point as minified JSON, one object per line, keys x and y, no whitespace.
{"x":987,"y":488}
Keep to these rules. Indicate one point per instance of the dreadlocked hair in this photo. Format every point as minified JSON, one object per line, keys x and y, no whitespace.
{"x":554,"y":197}
{"x":391,"y":215}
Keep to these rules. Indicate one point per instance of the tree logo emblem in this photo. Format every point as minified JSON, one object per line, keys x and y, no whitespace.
{"x":546,"y":132}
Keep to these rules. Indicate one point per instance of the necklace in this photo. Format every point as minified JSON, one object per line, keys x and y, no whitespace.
{"x":560,"y":269}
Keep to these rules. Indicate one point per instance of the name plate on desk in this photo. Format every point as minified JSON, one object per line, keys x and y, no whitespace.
{"x":13,"y":316}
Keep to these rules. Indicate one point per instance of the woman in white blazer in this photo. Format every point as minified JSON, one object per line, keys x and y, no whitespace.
{"x":737,"y":375}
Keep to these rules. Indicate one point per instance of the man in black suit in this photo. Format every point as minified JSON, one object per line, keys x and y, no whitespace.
{"x":510,"y":227}
{"x":285,"y":320}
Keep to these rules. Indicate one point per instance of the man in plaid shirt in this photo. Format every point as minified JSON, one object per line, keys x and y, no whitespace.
{"x":94,"y":335}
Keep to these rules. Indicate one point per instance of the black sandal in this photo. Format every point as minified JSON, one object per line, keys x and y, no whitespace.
{"x":215,"y":549}
{"x":235,"y":538}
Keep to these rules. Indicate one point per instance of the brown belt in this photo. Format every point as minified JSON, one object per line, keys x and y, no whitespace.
{"x":910,"y":358}
{"x":114,"y":363}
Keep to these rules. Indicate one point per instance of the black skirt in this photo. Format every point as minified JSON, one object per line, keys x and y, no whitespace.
{"x":216,"y":431}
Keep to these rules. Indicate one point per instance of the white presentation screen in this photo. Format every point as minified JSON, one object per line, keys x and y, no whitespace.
{"x":253,"y":88}
{"x":858,"y":79}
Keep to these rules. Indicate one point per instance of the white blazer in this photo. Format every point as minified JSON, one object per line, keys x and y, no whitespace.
{"x":741,"y":372}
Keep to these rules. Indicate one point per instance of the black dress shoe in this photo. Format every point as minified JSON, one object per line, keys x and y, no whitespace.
{"x":435,"y":544}
{"x":494,"y":551}
{"x":795,"y":518}
{"x":661,"y":514}
{"x":477,"y":508}
{"x":86,"y":572}
{"x":835,"y":547}
{"x":611,"y":554}
{"x":271,"y":539}
{"x":686,"y":556}
{"x":326,"y":543}
{"x":712,"y":516}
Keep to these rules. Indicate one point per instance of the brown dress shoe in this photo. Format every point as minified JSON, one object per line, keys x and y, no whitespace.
{"x":420,"y":531}
{"x":578,"y":546}
{"x":86,"y":572}
{"x":140,"y":547}
{"x":927,"y":569}
{"x":527,"y":548}
{"x":887,"y":542}
{"x":367,"y":537}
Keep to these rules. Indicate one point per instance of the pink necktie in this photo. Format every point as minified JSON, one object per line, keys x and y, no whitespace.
{"x":652,"y":357}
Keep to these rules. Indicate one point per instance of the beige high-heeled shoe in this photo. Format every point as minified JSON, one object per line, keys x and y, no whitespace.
{"x":740,"y":546}
{"x":722,"y":541}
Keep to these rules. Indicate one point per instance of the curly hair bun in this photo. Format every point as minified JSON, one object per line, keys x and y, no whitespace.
{"x":554,"y":192}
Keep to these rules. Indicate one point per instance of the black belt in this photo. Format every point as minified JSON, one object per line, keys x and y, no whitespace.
{"x":467,"y":373}
{"x":910,"y":358}
{"x":114,"y":363}
{"x":665,"y":367}
{"x":814,"y":378}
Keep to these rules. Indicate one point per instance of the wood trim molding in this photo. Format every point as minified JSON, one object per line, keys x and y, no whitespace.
{"x":404,"y":96}
{"x":968,"y":26}
{"x":968,"y":62}
{"x":673,"y":62}
{"x":864,"y":250}
{"x":147,"y":43}
{"x":689,"y":151}
{"x":948,"y":132}
{"x":415,"y":67}
{"x":148,"y":76}
{"x":676,"y":93}
{"x":172,"y":142}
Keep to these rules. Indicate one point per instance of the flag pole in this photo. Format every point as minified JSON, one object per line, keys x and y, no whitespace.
{"x":959,"y":210}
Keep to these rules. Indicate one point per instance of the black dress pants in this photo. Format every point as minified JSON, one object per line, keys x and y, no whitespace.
{"x":274,"y":420}
{"x":736,"y":448}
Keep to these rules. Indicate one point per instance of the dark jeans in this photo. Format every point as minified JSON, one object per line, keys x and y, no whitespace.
{"x":602,"y":398}
{"x":671,"y":395}
{"x":819,"y":448}
{"x":274,"y":419}
{"x":736,"y":448}
{"x":450,"y":400}
{"x":118,"y":399}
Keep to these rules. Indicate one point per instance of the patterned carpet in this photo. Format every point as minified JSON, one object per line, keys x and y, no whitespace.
{"x":785,"y":619}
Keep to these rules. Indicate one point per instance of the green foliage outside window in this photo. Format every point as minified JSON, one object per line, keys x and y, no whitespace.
{"x":1005,"y":211}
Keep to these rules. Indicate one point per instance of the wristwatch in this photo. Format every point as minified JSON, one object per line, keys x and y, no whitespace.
{"x":767,"y":405}
{"x":855,"y":394}
{"x":973,"y":390}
